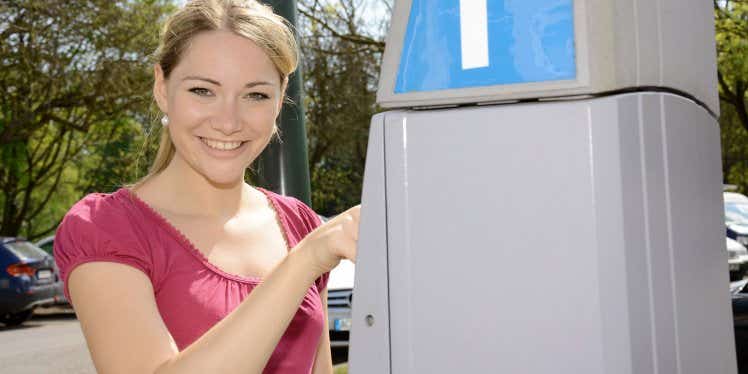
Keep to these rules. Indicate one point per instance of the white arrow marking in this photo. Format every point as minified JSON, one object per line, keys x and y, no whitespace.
{"x":474,"y":33}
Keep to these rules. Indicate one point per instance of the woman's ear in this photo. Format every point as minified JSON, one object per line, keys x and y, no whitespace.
{"x":159,"y":89}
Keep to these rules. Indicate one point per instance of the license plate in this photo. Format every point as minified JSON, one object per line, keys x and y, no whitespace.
{"x":43,"y":274}
{"x":342,"y":324}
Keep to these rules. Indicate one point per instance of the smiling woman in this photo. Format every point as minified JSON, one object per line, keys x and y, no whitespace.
{"x":266,"y":55}
{"x":191,"y":270}
{"x":222,"y":101}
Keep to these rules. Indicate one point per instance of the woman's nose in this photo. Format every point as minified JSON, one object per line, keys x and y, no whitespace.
{"x":228,"y":120}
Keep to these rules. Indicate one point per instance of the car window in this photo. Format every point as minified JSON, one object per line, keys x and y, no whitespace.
{"x":47,"y":247}
{"x":736,"y":213}
{"x":26,"y":250}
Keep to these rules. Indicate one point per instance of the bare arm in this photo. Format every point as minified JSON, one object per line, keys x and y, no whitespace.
{"x":323,"y":359}
{"x":119,"y":318}
{"x":125,"y":333}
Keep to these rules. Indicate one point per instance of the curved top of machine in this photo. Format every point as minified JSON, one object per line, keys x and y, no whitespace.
{"x":445,"y":52}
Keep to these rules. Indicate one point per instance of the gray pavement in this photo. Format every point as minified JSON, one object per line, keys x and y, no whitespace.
{"x":51,"y":342}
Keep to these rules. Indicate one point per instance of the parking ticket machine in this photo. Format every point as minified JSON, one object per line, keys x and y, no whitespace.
{"x":544,"y":193}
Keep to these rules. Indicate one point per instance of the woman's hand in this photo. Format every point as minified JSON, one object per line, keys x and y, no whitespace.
{"x":333,"y":241}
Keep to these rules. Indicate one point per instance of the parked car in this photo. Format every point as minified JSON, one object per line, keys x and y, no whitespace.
{"x":29,"y":278}
{"x":339,"y":299}
{"x":736,"y":217}
{"x":737,"y":259}
{"x":46,"y":244}
{"x":739,"y":292}
{"x":736,"y":223}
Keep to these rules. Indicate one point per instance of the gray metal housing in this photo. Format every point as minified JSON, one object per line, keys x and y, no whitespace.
{"x":579,"y":237}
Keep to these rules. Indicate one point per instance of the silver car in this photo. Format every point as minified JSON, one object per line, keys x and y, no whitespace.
{"x":339,"y":298}
{"x":737,"y":258}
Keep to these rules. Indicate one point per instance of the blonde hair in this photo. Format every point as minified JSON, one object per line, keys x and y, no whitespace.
{"x":246,"y":18}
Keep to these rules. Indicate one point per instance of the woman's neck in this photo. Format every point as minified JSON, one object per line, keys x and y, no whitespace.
{"x":179,"y":189}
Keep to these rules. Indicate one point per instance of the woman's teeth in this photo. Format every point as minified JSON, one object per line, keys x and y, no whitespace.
{"x":223,"y":146}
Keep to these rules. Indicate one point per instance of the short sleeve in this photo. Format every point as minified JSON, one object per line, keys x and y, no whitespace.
{"x":96,"y":229}
{"x":312,"y":221}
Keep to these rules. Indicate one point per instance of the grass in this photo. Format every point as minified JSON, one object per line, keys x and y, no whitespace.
{"x":340,"y":369}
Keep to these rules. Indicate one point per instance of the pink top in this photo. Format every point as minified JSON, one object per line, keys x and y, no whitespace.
{"x":192,"y":294}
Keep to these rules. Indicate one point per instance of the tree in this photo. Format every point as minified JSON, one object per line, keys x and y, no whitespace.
{"x":76,"y":77}
{"x":341,"y":60}
{"x":731,"y":21}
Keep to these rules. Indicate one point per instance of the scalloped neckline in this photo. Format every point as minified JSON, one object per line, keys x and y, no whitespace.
{"x":190,"y":247}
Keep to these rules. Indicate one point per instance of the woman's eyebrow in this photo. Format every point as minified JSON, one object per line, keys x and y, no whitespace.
{"x":248,"y":85}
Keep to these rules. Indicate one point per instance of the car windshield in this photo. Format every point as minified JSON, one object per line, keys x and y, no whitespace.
{"x":736,"y":213}
{"x":26,"y":250}
{"x":47,"y":247}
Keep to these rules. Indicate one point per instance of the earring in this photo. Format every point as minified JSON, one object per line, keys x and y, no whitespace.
{"x":165,"y":120}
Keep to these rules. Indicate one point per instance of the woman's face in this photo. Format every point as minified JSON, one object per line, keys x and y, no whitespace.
{"x":222,"y":99}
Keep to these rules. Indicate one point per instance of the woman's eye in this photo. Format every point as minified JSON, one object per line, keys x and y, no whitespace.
{"x":200,"y":91}
{"x":257,"y":96}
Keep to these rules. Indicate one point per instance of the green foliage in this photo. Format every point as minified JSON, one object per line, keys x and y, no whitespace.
{"x":731,"y":22}
{"x":76,"y":107}
{"x":732,"y":44}
{"x":76,"y":111}
{"x":734,"y":157}
{"x":340,"y":67}
{"x":76,"y":77}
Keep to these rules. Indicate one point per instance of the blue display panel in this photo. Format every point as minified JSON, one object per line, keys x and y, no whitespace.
{"x":472,"y":43}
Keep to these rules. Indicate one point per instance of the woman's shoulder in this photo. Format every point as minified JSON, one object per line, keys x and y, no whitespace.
{"x":100,"y":214}
{"x":101,"y":210}
{"x":100,"y":227}
{"x":295,"y":211}
{"x":104,"y":223}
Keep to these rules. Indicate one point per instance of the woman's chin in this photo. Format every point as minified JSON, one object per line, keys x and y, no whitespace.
{"x":224,"y":180}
